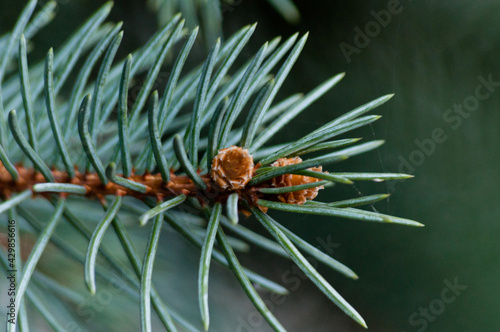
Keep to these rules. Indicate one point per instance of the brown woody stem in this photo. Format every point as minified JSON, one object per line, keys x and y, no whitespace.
{"x":28,"y":177}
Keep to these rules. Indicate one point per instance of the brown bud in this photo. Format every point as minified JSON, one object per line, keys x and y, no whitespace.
{"x":232,"y":168}
{"x":287,"y":180}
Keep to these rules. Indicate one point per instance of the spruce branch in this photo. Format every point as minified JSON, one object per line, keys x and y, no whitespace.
{"x":69,"y":149}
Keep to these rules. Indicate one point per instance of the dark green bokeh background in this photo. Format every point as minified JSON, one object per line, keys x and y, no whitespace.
{"x":430,"y":55}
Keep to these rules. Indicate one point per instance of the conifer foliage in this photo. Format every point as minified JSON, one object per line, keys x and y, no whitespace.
{"x":71,"y":132}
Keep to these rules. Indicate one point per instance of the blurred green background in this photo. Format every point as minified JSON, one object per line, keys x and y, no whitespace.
{"x":430,"y":55}
{"x":433,"y":56}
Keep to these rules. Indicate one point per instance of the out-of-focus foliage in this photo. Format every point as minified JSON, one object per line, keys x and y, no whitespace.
{"x":209,"y":14}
